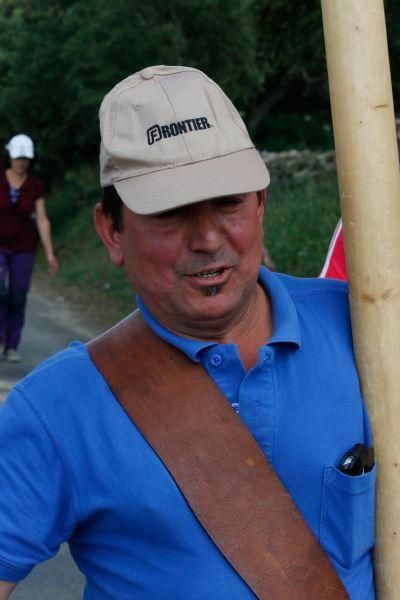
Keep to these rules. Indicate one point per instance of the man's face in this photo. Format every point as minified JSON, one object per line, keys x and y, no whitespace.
{"x":196,"y":267}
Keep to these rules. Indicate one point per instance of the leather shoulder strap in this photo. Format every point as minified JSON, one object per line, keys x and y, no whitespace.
{"x":218,"y":466}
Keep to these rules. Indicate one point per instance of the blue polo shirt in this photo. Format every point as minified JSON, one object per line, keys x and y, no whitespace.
{"x":74,"y":467}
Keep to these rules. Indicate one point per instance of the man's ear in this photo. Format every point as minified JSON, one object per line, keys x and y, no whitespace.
{"x":110,"y":237}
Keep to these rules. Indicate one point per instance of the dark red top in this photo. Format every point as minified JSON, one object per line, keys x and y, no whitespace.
{"x":18,"y":230}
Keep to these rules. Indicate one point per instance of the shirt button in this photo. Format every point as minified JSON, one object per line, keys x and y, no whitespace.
{"x":269,"y":357}
{"x":216,"y":360}
{"x":235,"y":406}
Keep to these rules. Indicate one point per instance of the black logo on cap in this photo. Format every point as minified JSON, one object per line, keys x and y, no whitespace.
{"x":159,"y":132}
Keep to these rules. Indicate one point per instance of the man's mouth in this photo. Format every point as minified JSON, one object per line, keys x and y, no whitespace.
{"x":211,"y":276}
{"x":206,"y":274}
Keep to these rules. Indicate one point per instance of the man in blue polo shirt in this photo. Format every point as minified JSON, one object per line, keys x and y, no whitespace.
{"x":182,"y":211}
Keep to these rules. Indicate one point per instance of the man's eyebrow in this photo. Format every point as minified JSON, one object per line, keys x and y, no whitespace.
{"x":232,"y":197}
{"x":162,"y":213}
{"x":185,"y":206}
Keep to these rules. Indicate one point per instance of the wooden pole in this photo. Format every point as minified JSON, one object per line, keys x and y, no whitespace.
{"x":369,"y":184}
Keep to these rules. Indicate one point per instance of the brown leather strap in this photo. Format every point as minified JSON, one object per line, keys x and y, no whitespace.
{"x":220,"y":469}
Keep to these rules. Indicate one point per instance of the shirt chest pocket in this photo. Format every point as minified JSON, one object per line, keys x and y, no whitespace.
{"x":347,"y":515}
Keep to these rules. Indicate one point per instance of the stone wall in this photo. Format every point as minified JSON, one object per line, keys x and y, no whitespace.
{"x":299,"y":164}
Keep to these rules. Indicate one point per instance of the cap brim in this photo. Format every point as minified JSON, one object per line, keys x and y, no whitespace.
{"x":237,"y":173}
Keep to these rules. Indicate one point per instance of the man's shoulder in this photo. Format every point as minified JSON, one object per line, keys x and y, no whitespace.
{"x":325,"y":301}
{"x":63,"y":373}
{"x":322,"y":308}
{"x":309,"y":286}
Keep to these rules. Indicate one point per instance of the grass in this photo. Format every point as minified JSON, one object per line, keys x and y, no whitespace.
{"x":86,"y":275}
{"x":300,"y":219}
{"x":299,"y":222}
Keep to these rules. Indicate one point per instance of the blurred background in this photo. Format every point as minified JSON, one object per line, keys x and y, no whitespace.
{"x":58,"y":58}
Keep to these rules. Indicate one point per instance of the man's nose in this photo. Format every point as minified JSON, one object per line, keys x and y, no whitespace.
{"x":205,"y":232}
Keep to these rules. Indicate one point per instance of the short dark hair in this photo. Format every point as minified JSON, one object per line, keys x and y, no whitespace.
{"x":111,"y":205}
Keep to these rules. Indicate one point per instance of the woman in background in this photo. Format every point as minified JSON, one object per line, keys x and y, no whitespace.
{"x":23,"y":221}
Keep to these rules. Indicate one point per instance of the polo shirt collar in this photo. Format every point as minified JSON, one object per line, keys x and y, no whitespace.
{"x":284,"y":315}
{"x":286,"y":327}
{"x":190,"y":347}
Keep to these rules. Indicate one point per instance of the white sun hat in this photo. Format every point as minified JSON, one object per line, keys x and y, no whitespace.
{"x":20,"y":146}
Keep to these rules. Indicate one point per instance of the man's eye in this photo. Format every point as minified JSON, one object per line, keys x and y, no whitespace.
{"x":230,"y":202}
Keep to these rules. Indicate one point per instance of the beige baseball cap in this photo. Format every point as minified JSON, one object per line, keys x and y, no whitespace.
{"x":171,"y":137}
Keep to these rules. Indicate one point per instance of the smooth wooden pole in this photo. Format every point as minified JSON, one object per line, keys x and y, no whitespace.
{"x":369,"y":184}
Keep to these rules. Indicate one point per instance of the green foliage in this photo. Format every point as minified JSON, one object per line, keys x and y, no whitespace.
{"x":59,"y":57}
{"x":291,"y":52}
{"x":85,"y":264}
{"x":78,"y":191}
{"x":313,"y":130}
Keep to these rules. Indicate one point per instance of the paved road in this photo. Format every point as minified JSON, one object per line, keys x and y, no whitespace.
{"x":50,"y":326}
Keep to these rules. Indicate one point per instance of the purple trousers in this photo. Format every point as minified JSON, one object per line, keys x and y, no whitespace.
{"x":15,"y":276}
